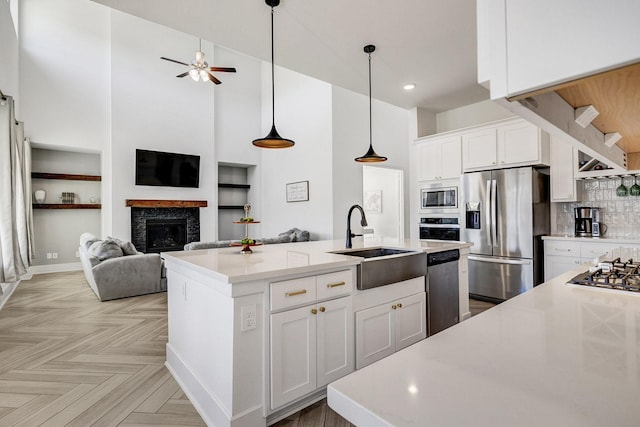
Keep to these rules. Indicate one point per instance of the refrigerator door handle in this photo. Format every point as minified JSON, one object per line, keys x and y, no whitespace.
{"x":500,"y":260}
{"x":487,"y":212}
{"x":494,"y":213}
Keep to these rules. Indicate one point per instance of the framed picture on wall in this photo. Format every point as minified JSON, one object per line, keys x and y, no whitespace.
{"x":373,"y":201}
{"x":298,"y":191}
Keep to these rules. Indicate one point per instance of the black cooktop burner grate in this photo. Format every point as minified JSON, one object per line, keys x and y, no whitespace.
{"x":616,"y":274}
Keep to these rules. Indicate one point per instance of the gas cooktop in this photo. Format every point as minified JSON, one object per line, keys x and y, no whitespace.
{"x":616,"y":274}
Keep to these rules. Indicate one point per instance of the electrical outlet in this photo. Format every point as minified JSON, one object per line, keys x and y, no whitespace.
{"x":77,"y":254}
{"x":49,"y":256}
{"x":248,"y":314}
{"x":54,"y":255}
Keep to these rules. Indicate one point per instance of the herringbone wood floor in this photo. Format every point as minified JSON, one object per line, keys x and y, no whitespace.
{"x":68,"y":359}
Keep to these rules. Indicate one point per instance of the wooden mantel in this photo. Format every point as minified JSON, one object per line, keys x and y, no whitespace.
{"x":140,"y":203}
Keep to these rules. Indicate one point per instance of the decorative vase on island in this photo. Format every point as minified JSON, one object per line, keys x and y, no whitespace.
{"x":39,"y":195}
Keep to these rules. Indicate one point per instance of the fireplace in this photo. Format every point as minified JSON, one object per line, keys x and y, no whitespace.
{"x":166,"y":234}
{"x":163,"y":229}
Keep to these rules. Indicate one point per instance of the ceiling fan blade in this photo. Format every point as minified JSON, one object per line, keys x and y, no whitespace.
{"x":224,"y":69}
{"x":186,"y":73}
{"x":173,"y":60}
{"x":213,"y":79}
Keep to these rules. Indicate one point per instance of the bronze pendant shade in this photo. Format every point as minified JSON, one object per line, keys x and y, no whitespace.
{"x":371,"y":155}
{"x":273,"y":139}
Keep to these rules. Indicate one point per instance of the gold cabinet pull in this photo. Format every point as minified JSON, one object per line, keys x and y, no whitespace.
{"x":322,"y":309}
{"x":294,"y":293}
{"x":314,"y":311}
{"x":334,"y":285}
{"x":394,"y":306}
{"x":399,"y":305}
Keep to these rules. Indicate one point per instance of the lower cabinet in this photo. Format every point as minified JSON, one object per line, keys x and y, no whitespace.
{"x":310,"y":347}
{"x":561,"y":256}
{"x":386,"y":328}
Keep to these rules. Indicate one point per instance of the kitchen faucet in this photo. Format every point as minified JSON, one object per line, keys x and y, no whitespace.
{"x":363,"y":222}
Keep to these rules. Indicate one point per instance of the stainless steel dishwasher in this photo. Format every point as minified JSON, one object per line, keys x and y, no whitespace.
{"x":443,"y":305}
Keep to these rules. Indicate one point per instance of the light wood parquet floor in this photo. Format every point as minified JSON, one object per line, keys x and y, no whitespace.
{"x":67,"y":359}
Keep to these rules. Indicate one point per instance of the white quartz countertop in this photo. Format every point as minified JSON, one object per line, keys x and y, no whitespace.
{"x":557,"y":355}
{"x":602,"y":239}
{"x":268,"y":261}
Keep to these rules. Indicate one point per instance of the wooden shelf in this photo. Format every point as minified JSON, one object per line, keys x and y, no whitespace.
{"x":235,"y":207}
{"x":138,"y":203}
{"x":66,"y":176}
{"x":244,"y":186}
{"x":67,"y":206}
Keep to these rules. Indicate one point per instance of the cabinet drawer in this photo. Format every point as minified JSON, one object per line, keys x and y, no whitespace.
{"x":590,"y":250}
{"x":561,"y":248}
{"x":289,"y":293}
{"x":334,"y":284}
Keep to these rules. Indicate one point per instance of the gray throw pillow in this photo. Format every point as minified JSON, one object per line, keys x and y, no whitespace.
{"x":86,"y":239}
{"x":127,"y":247}
{"x":105,"y":249}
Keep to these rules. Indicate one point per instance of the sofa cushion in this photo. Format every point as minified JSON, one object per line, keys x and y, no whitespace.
{"x":86,"y":239}
{"x":128,"y":248}
{"x":105,"y":249}
{"x":282,"y":238}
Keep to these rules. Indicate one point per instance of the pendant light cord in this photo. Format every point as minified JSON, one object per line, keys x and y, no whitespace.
{"x":370,"y":116}
{"x":273,"y":81}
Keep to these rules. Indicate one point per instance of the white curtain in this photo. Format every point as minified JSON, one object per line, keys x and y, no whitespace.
{"x":16,"y":221}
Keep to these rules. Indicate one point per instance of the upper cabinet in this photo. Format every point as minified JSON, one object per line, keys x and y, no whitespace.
{"x":564,"y":186}
{"x":506,"y":144}
{"x":439,"y":158}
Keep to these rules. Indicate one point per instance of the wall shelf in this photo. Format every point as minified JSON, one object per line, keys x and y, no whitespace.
{"x":235,"y":207}
{"x":65,"y":176}
{"x":67,"y":206}
{"x":245,"y":186}
{"x":143,"y":203}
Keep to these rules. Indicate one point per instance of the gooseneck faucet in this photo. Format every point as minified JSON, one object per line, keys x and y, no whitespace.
{"x":363,"y":222}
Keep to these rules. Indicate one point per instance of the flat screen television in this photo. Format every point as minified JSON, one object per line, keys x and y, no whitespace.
{"x":167,"y":169}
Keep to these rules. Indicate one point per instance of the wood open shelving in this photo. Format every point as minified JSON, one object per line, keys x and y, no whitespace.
{"x":142,"y":203}
{"x":67,"y":176}
{"x":67,"y":206}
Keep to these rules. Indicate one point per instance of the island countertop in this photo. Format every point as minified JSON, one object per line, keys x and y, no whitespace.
{"x":558,"y":355}
{"x":268,"y":261}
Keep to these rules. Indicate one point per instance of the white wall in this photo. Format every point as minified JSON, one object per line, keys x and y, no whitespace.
{"x":152,"y":109}
{"x":303,"y":114}
{"x":472,"y":114}
{"x":9,"y":54}
{"x":389,"y":183}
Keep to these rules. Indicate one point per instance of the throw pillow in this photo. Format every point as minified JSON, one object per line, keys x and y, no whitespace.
{"x":128,"y":248}
{"x":86,"y":239}
{"x":105,"y":249}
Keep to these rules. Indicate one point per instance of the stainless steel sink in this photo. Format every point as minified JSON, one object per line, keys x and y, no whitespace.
{"x":383,"y":266}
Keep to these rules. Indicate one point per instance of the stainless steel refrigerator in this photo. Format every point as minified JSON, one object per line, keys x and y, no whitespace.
{"x":505,"y":213}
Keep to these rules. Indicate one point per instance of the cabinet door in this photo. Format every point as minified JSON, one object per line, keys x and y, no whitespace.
{"x":293,"y":354}
{"x":429,"y":166}
{"x":563,"y":184}
{"x":375,"y":334}
{"x":410,"y":320}
{"x":479,"y":150}
{"x":451,"y":157}
{"x":335,"y":340}
{"x":557,"y":265}
{"x":518,"y":144}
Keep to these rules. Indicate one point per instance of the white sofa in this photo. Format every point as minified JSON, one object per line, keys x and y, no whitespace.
{"x":115,"y":269}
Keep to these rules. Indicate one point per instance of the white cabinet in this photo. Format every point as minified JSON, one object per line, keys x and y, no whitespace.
{"x":311,"y":345}
{"x":509,"y":144}
{"x":564,"y":187}
{"x":439,"y":159}
{"x":561,"y":256}
{"x":386,"y":328}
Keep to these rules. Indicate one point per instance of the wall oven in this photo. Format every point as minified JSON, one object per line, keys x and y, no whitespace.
{"x":438,"y":199}
{"x":440,"y":228}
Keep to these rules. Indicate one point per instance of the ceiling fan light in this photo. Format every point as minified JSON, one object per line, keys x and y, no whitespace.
{"x":204,"y":75}
{"x":273,"y":140}
{"x":195,"y":75}
{"x":199,"y":57}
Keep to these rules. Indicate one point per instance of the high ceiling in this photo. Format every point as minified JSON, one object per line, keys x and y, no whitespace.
{"x":431,"y":43}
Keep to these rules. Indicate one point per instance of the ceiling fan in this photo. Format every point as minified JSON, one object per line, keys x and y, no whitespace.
{"x":199,"y":69}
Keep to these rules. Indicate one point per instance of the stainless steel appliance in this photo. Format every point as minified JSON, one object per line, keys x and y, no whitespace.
{"x":505,"y":213}
{"x":443,"y":303}
{"x":437,"y":198}
{"x":615,"y":274}
{"x":440,"y":228}
{"x":587,"y":222}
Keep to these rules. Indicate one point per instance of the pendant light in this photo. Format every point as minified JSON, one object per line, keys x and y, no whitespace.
{"x":273,"y":139}
{"x":371,"y":156}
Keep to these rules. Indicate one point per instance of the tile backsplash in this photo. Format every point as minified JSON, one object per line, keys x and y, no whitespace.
{"x":621,"y":215}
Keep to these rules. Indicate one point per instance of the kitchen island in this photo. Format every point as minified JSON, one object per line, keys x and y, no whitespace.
{"x":255,"y":337}
{"x":557,"y":355}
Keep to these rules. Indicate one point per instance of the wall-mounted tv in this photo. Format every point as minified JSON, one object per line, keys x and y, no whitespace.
{"x":167,"y":169}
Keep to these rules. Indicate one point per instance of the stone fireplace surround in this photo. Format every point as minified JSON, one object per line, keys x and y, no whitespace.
{"x":158,"y":210}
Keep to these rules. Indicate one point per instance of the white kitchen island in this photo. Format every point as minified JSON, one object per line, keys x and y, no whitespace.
{"x":557,"y":355}
{"x":255,"y":337}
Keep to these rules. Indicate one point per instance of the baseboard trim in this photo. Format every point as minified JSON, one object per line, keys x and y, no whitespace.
{"x":55,"y":268}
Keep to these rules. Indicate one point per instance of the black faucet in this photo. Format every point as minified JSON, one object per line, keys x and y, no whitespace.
{"x":363,"y":222}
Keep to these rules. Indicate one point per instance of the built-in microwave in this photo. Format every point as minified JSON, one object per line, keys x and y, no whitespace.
{"x":439,"y":199}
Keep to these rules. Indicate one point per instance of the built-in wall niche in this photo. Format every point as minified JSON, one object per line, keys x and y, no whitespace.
{"x":234,"y":191}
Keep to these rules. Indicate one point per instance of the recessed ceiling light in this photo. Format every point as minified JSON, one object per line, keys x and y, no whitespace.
{"x":409,"y":86}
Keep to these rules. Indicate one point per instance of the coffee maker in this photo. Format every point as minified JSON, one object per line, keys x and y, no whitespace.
{"x":587,"y":222}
